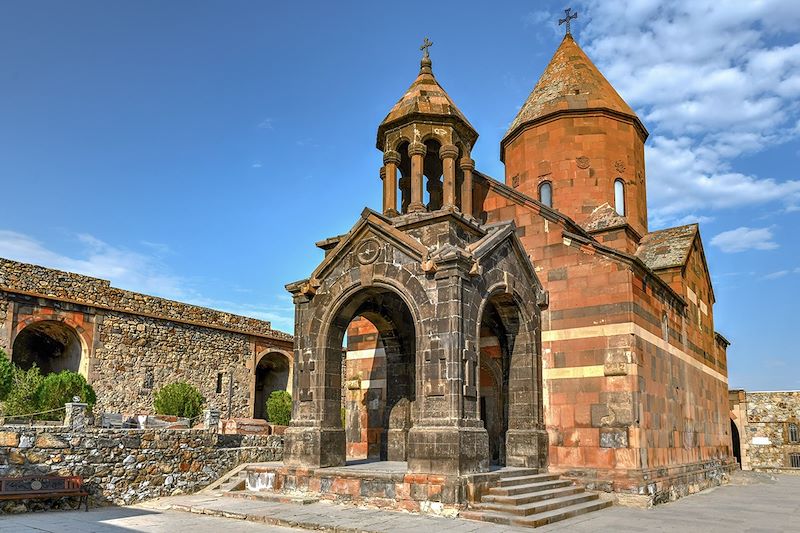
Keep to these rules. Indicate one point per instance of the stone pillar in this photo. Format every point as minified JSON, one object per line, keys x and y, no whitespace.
{"x":211,"y":418}
{"x":448,"y":437}
{"x":448,"y":153}
{"x":390,"y":161}
{"x":416,"y":151}
{"x":405,"y":189}
{"x":467,"y":165}
{"x":434,"y":187}
{"x":75,"y":417}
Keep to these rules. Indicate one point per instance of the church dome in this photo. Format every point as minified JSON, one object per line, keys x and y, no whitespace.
{"x":571,"y":82}
{"x":425,"y":100}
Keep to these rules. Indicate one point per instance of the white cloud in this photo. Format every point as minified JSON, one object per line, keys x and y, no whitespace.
{"x":266,"y":124}
{"x":712,"y":82}
{"x":743,"y":239}
{"x":776,"y":275}
{"x":135,"y":271}
{"x":256,"y":164}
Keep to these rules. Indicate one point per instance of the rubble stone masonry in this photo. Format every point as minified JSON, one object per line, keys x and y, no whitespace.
{"x":763,"y":420}
{"x":126,"y":466}
{"x":132,"y":344}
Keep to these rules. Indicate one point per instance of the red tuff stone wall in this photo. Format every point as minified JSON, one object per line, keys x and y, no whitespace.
{"x":632,"y":399}
{"x":581,"y":156}
{"x":365,"y":387}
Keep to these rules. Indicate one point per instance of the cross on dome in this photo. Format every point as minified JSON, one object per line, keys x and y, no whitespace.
{"x":567,"y":19}
{"x":426,"y":43}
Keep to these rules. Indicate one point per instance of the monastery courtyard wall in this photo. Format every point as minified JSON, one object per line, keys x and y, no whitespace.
{"x":128,"y":345}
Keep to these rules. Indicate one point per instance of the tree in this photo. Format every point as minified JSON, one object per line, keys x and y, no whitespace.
{"x":21,"y":400}
{"x":63,"y":387}
{"x":279,"y":407}
{"x":179,"y":399}
{"x":6,"y":375}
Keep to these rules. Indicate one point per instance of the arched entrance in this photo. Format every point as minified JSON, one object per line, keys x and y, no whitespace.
{"x":272,"y":373}
{"x":380,"y":390}
{"x":51,"y":345}
{"x":735,"y":442}
{"x":509,"y":399}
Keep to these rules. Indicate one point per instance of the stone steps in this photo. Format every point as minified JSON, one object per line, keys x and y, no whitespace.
{"x":536,"y":520}
{"x":526,"y":479}
{"x":529,"y":487}
{"x":540,"y":506}
{"x":278,"y":497}
{"x":522,"y":499}
{"x":533,"y":501}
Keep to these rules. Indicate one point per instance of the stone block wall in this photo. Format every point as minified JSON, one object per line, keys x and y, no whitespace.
{"x":635,"y":387}
{"x":364,"y":390}
{"x":127,"y":466}
{"x":764,"y":435}
{"x":134,"y":356}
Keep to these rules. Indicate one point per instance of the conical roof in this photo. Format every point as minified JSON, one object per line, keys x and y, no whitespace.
{"x":570,"y":82}
{"x":425,"y":99}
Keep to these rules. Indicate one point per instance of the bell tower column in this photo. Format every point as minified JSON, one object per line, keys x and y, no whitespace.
{"x":390,"y":160}
{"x":467,"y":166}
{"x":448,"y":153}
{"x":416,"y":151}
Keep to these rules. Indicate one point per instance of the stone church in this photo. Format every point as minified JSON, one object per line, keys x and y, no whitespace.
{"x":634,"y":393}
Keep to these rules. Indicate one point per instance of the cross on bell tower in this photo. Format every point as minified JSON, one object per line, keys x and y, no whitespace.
{"x":567,"y":19}
{"x":426,"y":43}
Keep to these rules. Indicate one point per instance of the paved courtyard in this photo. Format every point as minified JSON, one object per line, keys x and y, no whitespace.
{"x":751,"y":502}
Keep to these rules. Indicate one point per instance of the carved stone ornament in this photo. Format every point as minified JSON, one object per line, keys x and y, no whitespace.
{"x":619,"y":166}
{"x":367,"y":251}
{"x":582,"y":161}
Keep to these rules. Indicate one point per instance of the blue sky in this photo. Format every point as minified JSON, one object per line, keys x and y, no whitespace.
{"x":197,"y":150}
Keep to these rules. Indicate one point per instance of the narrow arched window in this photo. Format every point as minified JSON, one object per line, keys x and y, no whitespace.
{"x":546,"y":193}
{"x":793,"y":436}
{"x":794,"y":460}
{"x":619,"y":197}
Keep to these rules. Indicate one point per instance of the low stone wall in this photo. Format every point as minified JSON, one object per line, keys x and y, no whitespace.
{"x":123,"y":466}
{"x":653,"y":486}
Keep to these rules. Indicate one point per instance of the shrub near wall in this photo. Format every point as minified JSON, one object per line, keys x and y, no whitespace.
{"x":125,"y":466}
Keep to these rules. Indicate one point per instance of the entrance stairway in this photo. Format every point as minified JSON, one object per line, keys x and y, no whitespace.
{"x":533,"y":500}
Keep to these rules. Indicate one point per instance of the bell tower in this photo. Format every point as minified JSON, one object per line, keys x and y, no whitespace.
{"x":426,"y":143}
{"x":576,"y":146}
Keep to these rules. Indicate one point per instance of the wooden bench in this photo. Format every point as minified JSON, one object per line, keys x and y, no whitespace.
{"x":44,"y":487}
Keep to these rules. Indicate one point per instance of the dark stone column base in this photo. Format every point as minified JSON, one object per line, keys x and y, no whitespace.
{"x":448,"y":450}
{"x":311,"y":447}
{"x":527,"y":448}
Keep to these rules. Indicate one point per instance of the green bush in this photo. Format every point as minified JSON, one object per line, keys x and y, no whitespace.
{"x":6,"y":375}
{"x":57,"y":389}
{"x":22,"y":400}
{"x":279,"y":408}
{"x":179,"y":399}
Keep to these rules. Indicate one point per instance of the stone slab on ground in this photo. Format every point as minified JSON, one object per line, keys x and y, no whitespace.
{"x":127,"y":520}
{"x":323,"y":515}
{"x":751,"y":502}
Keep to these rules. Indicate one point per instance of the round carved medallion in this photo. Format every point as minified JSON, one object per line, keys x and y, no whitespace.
{"x":36,"y":484}
{"x":582,"y":161}
{"x":367,"y":251}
